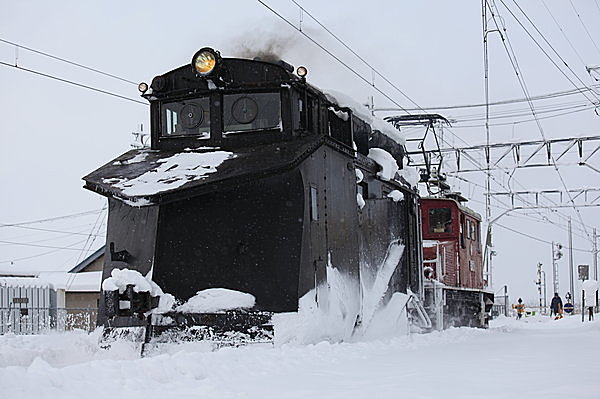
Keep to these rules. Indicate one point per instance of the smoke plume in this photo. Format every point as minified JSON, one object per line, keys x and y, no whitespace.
{"x":267,"y":46}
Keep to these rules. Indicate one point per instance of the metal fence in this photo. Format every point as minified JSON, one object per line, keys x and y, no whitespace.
{"x":30,"y":320}
{"x":501,"y":306}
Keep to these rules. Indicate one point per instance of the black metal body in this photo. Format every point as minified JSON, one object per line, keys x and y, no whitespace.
{"x":272,"y":217}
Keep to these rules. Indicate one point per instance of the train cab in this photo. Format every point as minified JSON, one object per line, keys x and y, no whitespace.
{"x":455,"y":291}
{"x":452,"y":242}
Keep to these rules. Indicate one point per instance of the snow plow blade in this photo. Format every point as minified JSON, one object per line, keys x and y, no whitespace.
{"x":231,"y":328}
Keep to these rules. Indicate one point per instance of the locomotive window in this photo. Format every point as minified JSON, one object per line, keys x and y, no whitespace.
{"x":186,"y":118}
{"x":307,"y":113}
{"x":339,"y":126}
{"x":251,"y":111}
{"x":314,"y":210}
{"x":363,"y":189}
{"x":440,"y":220}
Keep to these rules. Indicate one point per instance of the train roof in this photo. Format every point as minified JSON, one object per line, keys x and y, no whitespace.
{"x":461,"y":207}
{"x":144,"y":177}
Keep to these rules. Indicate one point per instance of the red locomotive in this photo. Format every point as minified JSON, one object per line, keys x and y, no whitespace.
{"x":455,"y":292}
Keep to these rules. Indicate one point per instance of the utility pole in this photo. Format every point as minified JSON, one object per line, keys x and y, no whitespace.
{"x":595,"y":254}
{"x":571,"y":283}
{"x":545,"y":293}
{"x":488,"y":212}
{"x":506,"y":300}
{"x":538,"y":282}
{"x":556,"y":255}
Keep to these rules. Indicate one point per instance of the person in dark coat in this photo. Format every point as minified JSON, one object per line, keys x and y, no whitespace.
{"x":556,"y":306}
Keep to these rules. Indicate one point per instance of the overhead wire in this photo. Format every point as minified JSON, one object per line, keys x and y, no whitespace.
{"x":73,"y":215}
{"x":62,"y":237}
{"x":67,"y":61}
{"x":563,"y":33}
{"x":92,"y":236}
{"x":347,"y":47}
{"x":348,"y":67}
{"x":546,"y":96}
{"x":513,"y":60}
{"x":11,"y":261}
{"x":45,"y":230}
{"x":584,"y":26}
{"x":41,"y":246}
{"x":73,"y":83}
{"x":551,"y":47}
{"x":365,"y":62}
{"x":540,"y":239}
{"x":587,"y":108}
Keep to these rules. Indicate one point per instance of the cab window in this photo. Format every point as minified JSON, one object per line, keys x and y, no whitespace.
{"x":440,"y":220}
{"x":251,"y":111}
{"x":186,"y":118}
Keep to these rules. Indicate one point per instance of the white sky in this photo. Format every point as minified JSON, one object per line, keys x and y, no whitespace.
{"x":54,"y":133}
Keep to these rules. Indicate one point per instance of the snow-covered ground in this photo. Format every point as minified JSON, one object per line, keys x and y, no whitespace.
{"x":531,"y":358}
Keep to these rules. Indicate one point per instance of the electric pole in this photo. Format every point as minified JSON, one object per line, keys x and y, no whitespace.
{"x":571,"y":283}
{"x":556,"y":255}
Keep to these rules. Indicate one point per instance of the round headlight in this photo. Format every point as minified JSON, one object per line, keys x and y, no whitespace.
{"x":205,"y":61}
{"x":302,"y":71}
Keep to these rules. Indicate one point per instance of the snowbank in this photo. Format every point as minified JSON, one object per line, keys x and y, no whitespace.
{"x":512,"y":361}
{"x":215,"y":300}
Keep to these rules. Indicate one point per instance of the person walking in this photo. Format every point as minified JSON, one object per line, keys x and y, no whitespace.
{"x":520,"y":308}
{"x":556,"y":307}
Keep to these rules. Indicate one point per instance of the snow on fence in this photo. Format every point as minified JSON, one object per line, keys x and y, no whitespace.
{"x":39,"y":320}
{"x":31,"y":306}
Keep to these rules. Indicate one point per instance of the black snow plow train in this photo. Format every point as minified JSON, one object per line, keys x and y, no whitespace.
{"x":255,"y":182}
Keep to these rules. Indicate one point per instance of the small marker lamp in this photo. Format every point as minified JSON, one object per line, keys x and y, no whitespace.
{"x":143,"y":87}
{"x":302,"y":71}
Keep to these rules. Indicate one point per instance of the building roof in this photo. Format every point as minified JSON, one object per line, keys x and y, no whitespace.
{"x":24,"y":282}
{"x":73,"y":282}
{"x":89,"y":260}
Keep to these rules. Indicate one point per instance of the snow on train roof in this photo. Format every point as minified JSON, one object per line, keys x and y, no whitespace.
{"x":170,"y":173}
{"x":363,"y":113}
